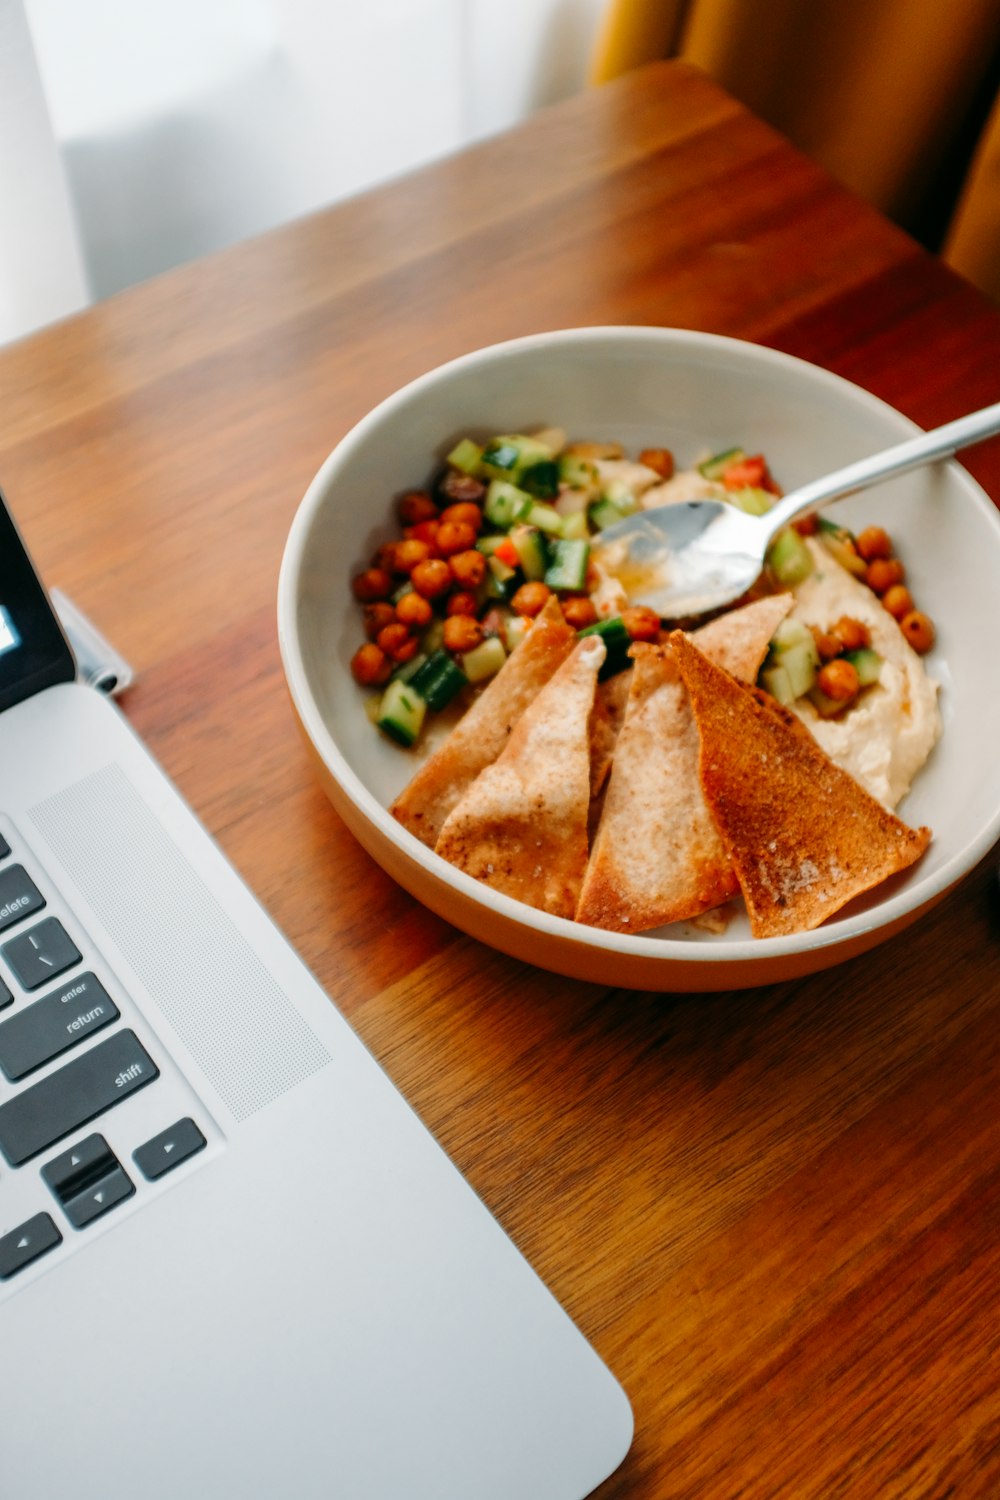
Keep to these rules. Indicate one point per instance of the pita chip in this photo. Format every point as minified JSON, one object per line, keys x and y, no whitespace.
{"x":657,"y":855}
{"x":804,"y":837}
{"x":521,"y":827}
{"x":483,"y":731}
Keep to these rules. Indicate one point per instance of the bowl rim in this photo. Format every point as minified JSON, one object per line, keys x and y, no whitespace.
{"x":671,"y":952}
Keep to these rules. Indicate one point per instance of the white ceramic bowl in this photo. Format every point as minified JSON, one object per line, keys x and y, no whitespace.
{"x":688,"y":392}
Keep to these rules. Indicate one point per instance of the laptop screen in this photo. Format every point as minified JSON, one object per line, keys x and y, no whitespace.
{"x":33,"y":650}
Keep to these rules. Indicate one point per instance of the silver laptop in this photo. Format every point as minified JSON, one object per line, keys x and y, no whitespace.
{"x":233,"y":1263}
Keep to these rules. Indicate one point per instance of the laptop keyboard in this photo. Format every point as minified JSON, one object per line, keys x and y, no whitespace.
{"x":69,"y":1057}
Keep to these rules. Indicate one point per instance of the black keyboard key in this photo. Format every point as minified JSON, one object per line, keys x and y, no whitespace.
{"x":26,"y":1243}
{"x":82,"y":1089}
{"x":4,"y":847}
{"x":39,"y":954}
{"x":19,"y":895}
{"x":6,"y":998}
{"x":54,"y":1024}
{"x":168,"y":1149}
{"x":87,"y":1180}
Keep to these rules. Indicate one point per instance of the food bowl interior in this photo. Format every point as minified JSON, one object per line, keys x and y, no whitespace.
{"x":693,"y":394}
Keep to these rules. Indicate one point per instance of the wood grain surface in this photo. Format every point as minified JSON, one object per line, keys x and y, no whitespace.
{"x":775,"y":1213}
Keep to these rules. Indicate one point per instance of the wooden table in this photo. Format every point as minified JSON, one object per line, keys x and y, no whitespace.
{"x":775,"y":1213}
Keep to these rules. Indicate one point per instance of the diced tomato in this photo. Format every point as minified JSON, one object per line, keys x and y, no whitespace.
{"x":752,"y":472}
{"x":507,"y":553}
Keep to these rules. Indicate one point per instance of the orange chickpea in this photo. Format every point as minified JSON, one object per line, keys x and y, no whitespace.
{"x":580,"y":612}
{"x":883,"y":573}
{"x":372,"y":584}
{"x":852,"y":634}
{"x":385,"y":557}
{"x":659,"y":459}
{"x":642,"y":624}
{"x":410,"y":553}
{"x":454,"y":536}
{"x":897,"y":600}
{"x":469,"y":568}
{"x":874,"y":543}
{"x":827,"y":645}
{"x":370,"y":666}
{"x":530,"y":598}
{"x":807,"y":525}
{"x":432,"y":578}
{"x":464,"y":514}
{"x":919,"y":630}
{"x":397,"y":642}
{"x":462,"y":633}
{"x":461,"y":602}
{"x":424,"y":531}
{"x":839,"y":680}
{"x":416,"y":505}
{"x":377,"y":617}
{"x":414,"y":611}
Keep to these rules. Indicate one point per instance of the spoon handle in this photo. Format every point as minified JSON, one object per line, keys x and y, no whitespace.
{"x":940,"y":442}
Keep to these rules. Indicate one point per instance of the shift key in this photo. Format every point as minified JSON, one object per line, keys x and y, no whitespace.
{"x":41,"y":1115}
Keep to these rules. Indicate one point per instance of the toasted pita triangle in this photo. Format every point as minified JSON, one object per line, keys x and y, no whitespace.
{"x":657,"y":856}
{"x":804,"y":837}
{"x":521,"y":827}
{"x":483,"y":731}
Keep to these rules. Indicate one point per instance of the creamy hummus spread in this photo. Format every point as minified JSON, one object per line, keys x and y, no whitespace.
{"x":884,"y":739}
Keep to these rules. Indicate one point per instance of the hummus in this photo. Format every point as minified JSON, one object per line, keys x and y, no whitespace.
{"x":886,"y":737}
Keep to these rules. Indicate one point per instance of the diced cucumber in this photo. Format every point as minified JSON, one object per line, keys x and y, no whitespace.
{"x":410,"y":668}
{"x":617,"y":641}
{"x":603,"y":513}
{"x":484,"y":660}
{"x":508,"y":456}
{"x":532,"y":549}
{"x":788,"y":557}
{"x":487,"y":545}
{"x":867,"y":663}
{"x":579,"y":473}
{"x":546,"y":518}
{"x":714,"y":467}
{"x":621,"y":497}
{"x":502,"y":581}
{"x":575,"y":527}
{"x":515,"y":629}
{"x":401,"y":712}
{"x":542,"y":479}
{"x":778,"y":683}
{"x":433,"y":637}
{"x":505,"y":504}
{"x":568,"y":568}
{"x":839,"y":542}
{"x":800,"y":663}
{"x":793,"y":633}
{"x":756,"y":502}
{"x":438,"y":680}
{"x":466,"y":456}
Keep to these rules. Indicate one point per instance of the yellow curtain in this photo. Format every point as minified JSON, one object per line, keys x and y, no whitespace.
{"x":890,"y":96}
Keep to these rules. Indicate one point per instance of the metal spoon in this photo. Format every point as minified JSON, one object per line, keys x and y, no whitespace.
{"x":693,"y":556}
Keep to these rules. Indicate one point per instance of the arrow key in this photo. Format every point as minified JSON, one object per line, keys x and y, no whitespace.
{"x":26,"y":1243}
{"x":87,"y":1180}
{"x":168,"y":1149}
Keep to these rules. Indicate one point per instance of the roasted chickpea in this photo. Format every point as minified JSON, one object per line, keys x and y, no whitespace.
{"x":370,"y":666}
{"x":919,"y":630}
{"x":661,"y":460}
{"x":409,"y":553}
{"x":454,"y":536}
{"x":397,"y":642}
{"x":372,"y":584}
{"x":897,"y":600}
{"x":874,"y":543}
{"x":579,"y":612}
{"x":642,"y":623}
{"x":461,"y":602}
{"x":462,"y":633}
{"x":377,"y":617}
{"x":414,"y":611}
{"x":530,"y":598}
{"x":853,"y":634}
{"x":424,"y":531}
{"x":827,"y":644}
{"x":385,"y":557}
{"x":416,"y":505}
{"x":464,"y":514}
{"x":807,"y":525}
{"x":883,"y":573}
{"x":469,"y":568}
{"x":839,"y":680}
{"x":454,"y":485}
{"x":432,"y":578}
